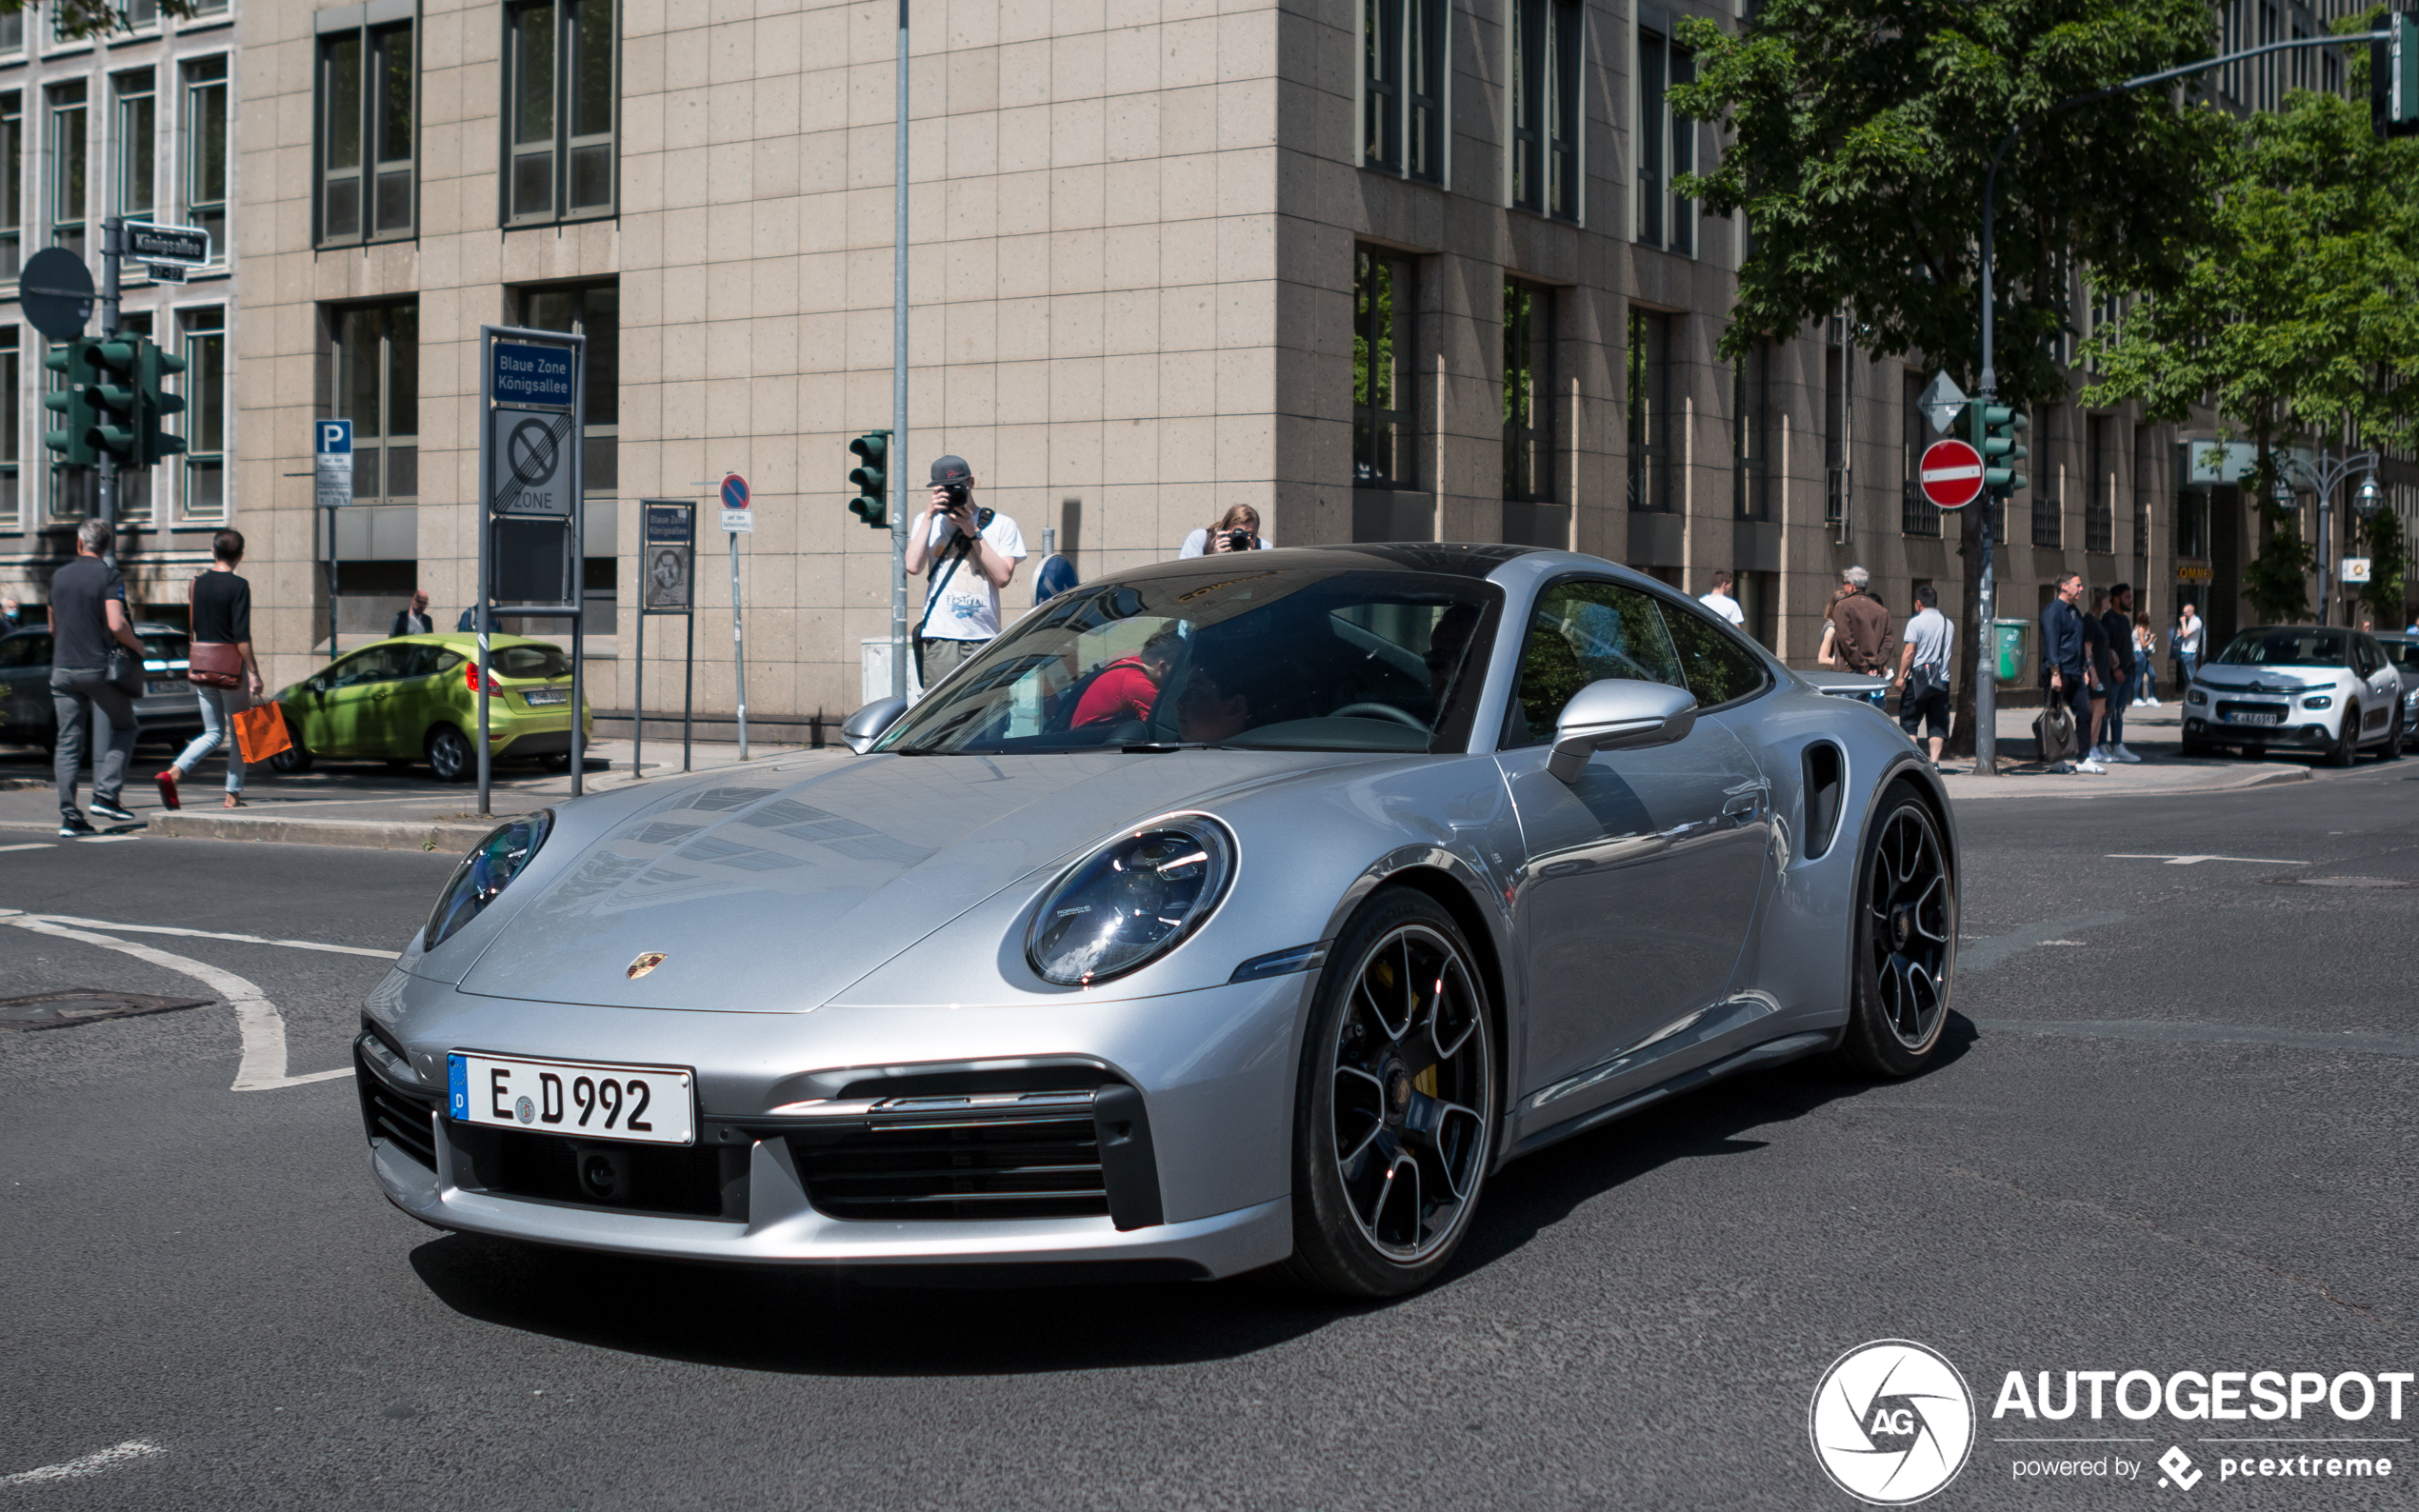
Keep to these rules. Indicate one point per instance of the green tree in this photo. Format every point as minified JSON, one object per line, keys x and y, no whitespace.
{"x":1859,"y":135}
{"x":2388,"y":563}
{"x":2299,"y":320}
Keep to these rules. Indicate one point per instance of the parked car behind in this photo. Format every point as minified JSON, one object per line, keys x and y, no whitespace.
{"x":2402,"y":649}
{"x":167,"y":710}
{"x":415,"y":698}
{"x":2308,"y":687}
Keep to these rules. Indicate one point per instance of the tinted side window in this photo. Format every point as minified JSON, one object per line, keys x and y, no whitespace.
{"x":373,"y":665}
{"x":25,"y":650}
{"x":1582,"y":631}
{"x":1719,"y":669}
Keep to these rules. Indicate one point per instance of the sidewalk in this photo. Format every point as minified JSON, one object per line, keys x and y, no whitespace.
{"x":2154,"y":734}
{"x":362,"y":804}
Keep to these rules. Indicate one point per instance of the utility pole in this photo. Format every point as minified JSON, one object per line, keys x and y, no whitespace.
{"x":899,"y":380}
{"x":112,"y":234}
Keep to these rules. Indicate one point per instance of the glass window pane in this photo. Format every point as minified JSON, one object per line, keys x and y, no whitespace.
{"x":1583,"y":632}
{"x":534,"y":75}
{"x":601,"y":322}
{"x":341,"y":132}
{"x":358,"y":354}
{"x":206,"y":488}
{"x":394,"y":200}
{"x":11,"y":181}
{"x":403,"y":371}
{"x":1651,"y":116}
{"x":591,"y":32}
{"x":592,"y":176}
{"x":394,"y":94}
{"x":342,"y":213}
{"x":13,"y":31}
{"x":137,"y":135}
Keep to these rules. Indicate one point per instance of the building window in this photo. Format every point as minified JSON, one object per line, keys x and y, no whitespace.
{"x":1404,"y":53}
{"x":209,"y":8}
{"x":373,"y":368}
{"x":13,"y":31}
{"x":68,"y":156}
{"x":11,"y":433}
{"x":205,"y":150}
{"x":1666,"y":147}
{"x":11,"y":181}
{"x":1751,"y":434}
{"x":2048,"y":508}
{"x":367,"y":85}
{"x":137,"y":145}
{"x":203,"y":333}
{"x":1917,"y":514}
{"x":1384,"y":307}
{"x":1528,"y":392}
{"x":1545,"y":45}
{"x":2099,"y":486}
{"x":1650,"y":396}
{"x":559,"y":59}
{"x":2192,"y":526}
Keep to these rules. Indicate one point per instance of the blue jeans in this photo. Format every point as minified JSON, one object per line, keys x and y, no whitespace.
{"x":219,"y":705}
{"x":2112,"y":726}
{"x":2187,"y":664}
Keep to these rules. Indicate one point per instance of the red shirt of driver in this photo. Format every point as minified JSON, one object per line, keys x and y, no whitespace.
{"x":1123,"y":690}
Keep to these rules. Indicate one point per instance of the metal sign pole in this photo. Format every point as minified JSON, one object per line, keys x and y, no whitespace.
{"x":487,"y":549}
{"x":332,"y":582}
{"x":688,"y":681}
{"x":898,"y":451}
{"x":112,"y":228}
{"x":738,"y":650}
{"x":578,"y":586}
{"x":638,"y":692}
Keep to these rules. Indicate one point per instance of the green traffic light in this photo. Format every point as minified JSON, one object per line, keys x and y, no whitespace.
{"x":871,"y":479}
{"x":72,"y":401}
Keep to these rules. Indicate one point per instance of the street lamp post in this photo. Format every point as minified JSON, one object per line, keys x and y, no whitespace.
{"x":2324,"y":476}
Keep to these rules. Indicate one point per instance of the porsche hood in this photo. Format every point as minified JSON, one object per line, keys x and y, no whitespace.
{"x":771,"y":892}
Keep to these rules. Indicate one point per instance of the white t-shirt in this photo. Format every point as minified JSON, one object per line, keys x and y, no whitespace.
{"x":969,"y":606}
{"x":1722,"y":603}
{"x":1197,"y":544}
{"x":1934,"y":640}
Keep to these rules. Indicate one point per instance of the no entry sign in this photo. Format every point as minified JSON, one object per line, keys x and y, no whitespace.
{"x":1951,"y":475}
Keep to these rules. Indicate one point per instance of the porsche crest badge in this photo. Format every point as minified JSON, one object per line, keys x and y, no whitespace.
{"x":646,"y":961}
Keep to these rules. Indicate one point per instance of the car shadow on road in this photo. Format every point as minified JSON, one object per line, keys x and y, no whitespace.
{"x":826,"y":1325}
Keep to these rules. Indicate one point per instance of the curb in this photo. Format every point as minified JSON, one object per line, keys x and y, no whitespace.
{"x":373,"y":834}
{"x":1966,"y":787}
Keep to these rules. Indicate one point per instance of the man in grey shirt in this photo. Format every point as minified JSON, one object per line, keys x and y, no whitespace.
{"x":88,"y":622}
{"x":1923,"y":669}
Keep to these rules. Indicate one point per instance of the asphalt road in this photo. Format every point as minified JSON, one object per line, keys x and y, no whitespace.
{"x":2171,"y":1132}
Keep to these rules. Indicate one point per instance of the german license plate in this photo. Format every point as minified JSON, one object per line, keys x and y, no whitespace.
{"x":645,"y":1104}
{"x":548,"y":695}
{"x":160,"y":686}
{"x":2239,"y":717}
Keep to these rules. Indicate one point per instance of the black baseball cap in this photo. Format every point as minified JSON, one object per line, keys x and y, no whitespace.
{"x":951,"y":472}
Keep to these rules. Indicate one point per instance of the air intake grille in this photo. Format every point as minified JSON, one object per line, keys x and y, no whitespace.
{"x":395,"y":1117}
{"x":1034,"y":1156}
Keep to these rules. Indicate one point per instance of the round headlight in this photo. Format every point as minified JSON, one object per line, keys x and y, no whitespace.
{"x":1131,"y":901}
{"x":484,"y":873}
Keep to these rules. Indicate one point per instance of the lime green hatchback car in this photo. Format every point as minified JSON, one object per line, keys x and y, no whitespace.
{"x":415,"y":698}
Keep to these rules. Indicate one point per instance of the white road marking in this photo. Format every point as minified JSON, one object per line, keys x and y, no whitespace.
{"x":39,"y":845}
{"x":264,"y":1028}
{"x":2194,"y":861}
{"x":211,"y":934}
{"x":2062,"y":942}
{"x":91,"y":1464}
{"x":103,"y":840}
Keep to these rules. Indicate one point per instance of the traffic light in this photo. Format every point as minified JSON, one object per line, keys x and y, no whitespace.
{"x":153,"y":365}
{"x":116,"y":399}
{"x":1999,"y":438}
{"x":72,"y":438}
{"x":2394,"y":77}
{"x":872,"y":505}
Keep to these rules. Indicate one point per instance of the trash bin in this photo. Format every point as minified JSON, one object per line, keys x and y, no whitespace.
{"x":2014,"y":638}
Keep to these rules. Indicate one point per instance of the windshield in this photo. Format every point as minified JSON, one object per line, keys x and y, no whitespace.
{"x":2404,"y":654}
{"x":2289,"y":648}
{"x":529,"y":661}
{"x":1302,"y":659}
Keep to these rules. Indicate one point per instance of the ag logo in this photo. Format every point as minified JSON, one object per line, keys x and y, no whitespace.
{"x":1891,"y":1422}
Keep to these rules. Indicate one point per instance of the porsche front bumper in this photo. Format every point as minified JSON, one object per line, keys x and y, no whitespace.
{"x":1174,"y":1161}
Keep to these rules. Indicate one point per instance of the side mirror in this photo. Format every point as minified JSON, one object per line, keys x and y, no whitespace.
{"x":865,"y":725}
{"x":1618,"y":713}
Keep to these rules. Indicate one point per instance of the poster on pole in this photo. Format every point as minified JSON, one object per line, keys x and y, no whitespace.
{"x":667,"y":562}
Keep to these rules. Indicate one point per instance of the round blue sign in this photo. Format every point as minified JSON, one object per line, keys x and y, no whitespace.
{"x":734,"y":491}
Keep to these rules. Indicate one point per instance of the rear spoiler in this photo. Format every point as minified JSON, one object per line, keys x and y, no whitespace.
{"x":1847,"y":685}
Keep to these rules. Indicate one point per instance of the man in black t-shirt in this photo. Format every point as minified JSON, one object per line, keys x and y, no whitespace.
{"x":88,"y":622}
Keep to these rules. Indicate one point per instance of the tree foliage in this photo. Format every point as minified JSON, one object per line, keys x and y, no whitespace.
{"x":2388,"y":564}
{"x":1859,"y":134}
{"x":77,"y":19}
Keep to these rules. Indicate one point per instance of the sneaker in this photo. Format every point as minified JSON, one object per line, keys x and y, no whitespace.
{"x":167,"y":788}
{"x":2123,"y":755}
{"x":73,"y":824}
{"x":2091,"y":755}
{"x":111,"y":811}
{"x":2093,"y":767}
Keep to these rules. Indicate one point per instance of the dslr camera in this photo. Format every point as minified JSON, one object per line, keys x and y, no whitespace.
{"x":1239,"y":541}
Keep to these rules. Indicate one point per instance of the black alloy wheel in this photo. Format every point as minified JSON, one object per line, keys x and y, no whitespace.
{"x":449,"y":752}
{"x":1394,"y":1118}
{"x":1905,"y":941}
{"x":2346,"y":747}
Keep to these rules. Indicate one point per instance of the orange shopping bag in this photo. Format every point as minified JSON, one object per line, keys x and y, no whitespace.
{"x":260,"y":733}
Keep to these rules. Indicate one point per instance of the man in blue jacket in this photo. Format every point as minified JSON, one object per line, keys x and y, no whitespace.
{"x":2066,"y":662}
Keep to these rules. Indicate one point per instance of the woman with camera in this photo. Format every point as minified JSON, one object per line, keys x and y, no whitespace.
{"x":1238,"y":529}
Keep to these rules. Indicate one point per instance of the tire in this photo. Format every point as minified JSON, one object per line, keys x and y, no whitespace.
{"x":2392,"y":750}
{"x":2254,"y":751}
{"x":295,"y":759}
{"x":555,"y":764}
{"x":2346,"y":749}
{"x":1369,"y":1113}
{"x":1904,"y":940}
{"x":449,"y":754}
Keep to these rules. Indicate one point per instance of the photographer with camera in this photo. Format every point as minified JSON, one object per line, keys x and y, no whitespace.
{"x":1238,"y":529}
{"x":971,"y":553}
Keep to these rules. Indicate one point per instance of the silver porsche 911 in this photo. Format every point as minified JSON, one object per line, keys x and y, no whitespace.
{"x":1232,"y":912}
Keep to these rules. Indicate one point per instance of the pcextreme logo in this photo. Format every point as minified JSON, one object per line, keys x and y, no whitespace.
{"x":1891,"y":1421}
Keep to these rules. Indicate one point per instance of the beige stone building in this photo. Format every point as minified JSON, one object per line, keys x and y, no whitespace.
{"x":1381,"y":268}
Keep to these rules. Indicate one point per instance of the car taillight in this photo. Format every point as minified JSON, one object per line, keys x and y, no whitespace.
{"x":470,"y":677}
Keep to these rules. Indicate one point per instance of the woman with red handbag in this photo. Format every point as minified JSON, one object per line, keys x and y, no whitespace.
{"x":220,"y":665}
